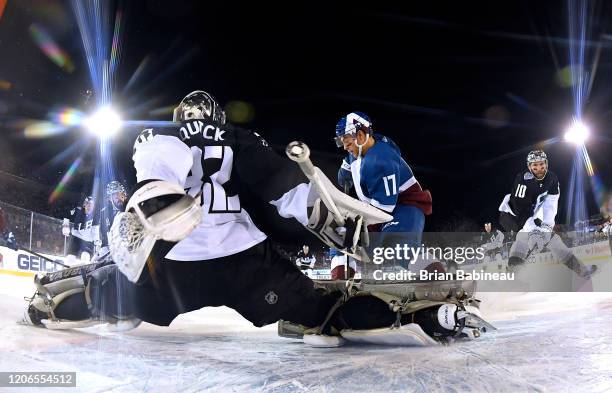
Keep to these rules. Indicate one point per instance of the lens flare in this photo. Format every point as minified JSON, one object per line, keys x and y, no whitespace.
{"x":41,"y":129}
{"x":104,"y":123}
{"x":50,"y":48}
{"x":68,"y":116}
{"x":2,"y":5}
{"x":61,"y":186}
{"x":577,"y":133}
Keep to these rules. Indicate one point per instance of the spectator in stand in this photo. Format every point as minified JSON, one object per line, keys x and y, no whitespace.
{"x":607,"y":230}
{"x":7,"y":238}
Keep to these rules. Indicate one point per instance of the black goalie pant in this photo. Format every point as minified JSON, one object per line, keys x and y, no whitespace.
{"x":258,"y":283}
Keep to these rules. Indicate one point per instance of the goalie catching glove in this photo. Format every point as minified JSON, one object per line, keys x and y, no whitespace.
{"x":157,"y":210}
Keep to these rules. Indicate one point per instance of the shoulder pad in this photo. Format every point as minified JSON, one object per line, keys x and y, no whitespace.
{"x":145,"y":135}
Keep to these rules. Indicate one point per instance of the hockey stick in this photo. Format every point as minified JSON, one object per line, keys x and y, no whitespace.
{"x":346,"y":257}
{"x":300,"y":153}
{"x":43,"y":257}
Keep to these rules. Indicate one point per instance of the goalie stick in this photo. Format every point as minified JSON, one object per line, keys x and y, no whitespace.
{"x":346,"y":257}
{"x":300,"y":153}
{"x":334,"y":199}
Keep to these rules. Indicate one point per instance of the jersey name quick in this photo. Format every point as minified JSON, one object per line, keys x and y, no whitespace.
{"x":223,"y":163}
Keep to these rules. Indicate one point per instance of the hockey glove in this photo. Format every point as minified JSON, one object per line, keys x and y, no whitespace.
{"x":347,"y":238}
{"x":157,"y":210}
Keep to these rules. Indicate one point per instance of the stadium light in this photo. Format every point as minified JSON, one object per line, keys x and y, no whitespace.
{"x":105,"y":122}
{"x":577,"y":133}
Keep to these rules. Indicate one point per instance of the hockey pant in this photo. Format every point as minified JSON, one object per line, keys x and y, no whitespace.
{"x":258,"y":283}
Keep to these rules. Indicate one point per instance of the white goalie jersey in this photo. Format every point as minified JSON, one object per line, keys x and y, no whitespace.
{"x":220,"y":162}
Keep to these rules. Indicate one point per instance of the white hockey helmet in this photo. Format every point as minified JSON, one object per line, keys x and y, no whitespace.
{"x":536,"y":156}
{"x":199,"y":105}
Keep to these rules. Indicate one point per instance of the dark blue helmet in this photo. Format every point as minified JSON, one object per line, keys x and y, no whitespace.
{"x":350,"y":124}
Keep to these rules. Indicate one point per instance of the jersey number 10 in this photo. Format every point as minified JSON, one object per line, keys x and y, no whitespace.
{"x":520,"y":191}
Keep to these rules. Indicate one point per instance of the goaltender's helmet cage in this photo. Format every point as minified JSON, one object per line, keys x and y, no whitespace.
{"x":351,"y":124}
{"x":114,"y":187}
{"x":199,"y":105}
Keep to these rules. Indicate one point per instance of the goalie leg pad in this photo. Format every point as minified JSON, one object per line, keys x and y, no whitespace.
{"x":63,"y":299}
{"x":381,"y":318}
{"x":406,"y":335}
{"x":80,"y":300}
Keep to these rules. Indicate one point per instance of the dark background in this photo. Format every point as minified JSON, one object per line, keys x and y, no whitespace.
{"x":466,"y":89}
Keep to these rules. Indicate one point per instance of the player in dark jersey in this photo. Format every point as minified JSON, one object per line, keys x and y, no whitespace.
{"x":186,"y":241}
{"x":85,"y":230}
{"x":534,"y":196}
{"x":116,"y":198}
{"x":530,"y":210}
{"x":305,"y":260}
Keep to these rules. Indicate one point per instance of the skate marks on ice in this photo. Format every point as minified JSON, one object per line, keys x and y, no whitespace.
{"x":215,"y":350}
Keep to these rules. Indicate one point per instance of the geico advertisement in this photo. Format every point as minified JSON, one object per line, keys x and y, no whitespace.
{"x":23,"y":261}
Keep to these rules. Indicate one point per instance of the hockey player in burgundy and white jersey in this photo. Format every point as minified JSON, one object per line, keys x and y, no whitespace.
{"x":381,"y":177}
{"x":530,"y":210}
{"x":186,"y":242}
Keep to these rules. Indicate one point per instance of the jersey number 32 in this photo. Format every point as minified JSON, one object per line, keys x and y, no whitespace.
{"x":212,"y":177}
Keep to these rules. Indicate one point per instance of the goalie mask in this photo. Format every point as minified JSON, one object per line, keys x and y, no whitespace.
{"x":199,"y":105}
{"x":115,"y":191}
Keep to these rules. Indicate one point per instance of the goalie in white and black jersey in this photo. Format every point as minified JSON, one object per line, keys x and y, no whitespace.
{"x":187,"y":241}
{"x":530,"y":210}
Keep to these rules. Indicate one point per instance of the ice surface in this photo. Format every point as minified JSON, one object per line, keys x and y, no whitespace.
{"x":545,"y":343}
